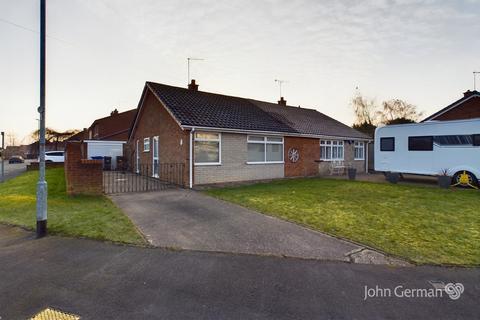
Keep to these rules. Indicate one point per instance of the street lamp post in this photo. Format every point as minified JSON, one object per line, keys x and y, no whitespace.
{"x":3,"y":156}
{"x":42,"y":183}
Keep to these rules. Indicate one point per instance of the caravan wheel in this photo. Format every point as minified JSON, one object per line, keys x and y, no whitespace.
{"x":472,"y":180}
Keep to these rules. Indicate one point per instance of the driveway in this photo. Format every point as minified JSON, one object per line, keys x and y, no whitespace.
{"x":186,"y":219}
{"x":98,"y":280}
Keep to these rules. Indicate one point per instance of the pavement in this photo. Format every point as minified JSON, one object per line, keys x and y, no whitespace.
{"x":98,"y":280}
{"x":187,"y":219}
{"x":13,"y":170}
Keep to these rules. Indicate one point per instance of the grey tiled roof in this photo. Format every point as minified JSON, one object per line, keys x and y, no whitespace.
{"x":203,"y":109}
{"x":309,"y":121}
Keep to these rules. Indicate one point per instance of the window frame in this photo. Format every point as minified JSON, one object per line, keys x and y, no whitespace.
{"x":411,"y":141}
{"x":359,"y":145}
{"x":146,"y":142}
{"x":387,"y":138}
{"x":219,"y":140}
{"x":155,"y":145}
{"x":265,"y":142}
{"x":329,"y":144}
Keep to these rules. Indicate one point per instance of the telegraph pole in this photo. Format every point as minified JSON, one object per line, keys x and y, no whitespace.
{"x":42,"y":183}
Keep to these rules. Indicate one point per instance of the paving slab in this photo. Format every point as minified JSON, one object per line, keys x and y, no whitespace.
{"x":188,"y":219}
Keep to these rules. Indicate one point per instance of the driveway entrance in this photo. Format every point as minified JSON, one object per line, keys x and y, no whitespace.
{"x":186,"y":219}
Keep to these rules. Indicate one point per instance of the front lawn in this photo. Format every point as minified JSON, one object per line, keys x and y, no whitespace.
{"x":85,"y":216}
{"x":422,"y":224}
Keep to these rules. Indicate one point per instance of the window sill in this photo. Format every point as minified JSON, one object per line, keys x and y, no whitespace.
{"x":359,"y":159}
{"x":145,"y":151}
{"x":330,"y":160}
{"x":269,"y":162}
{"x":208,"y":164}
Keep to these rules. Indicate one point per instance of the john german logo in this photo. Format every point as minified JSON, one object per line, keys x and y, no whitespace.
{"x":453,"y":290}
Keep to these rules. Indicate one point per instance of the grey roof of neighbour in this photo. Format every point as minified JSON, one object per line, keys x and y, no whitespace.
{"x":204,"y":109}
{"x":309,"y":121}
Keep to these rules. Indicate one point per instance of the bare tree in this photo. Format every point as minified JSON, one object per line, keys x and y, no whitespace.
{"x":366,"y":114}
{"x":398,"y":111}
{"x":11,"y":138}
{"x":365,"y":110}
{"x":55,"y":136}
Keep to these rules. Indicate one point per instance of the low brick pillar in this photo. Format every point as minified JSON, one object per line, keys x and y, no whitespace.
{"x":82,"y":176}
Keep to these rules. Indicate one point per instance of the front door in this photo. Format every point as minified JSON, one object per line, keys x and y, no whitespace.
{"x":155,"y":157}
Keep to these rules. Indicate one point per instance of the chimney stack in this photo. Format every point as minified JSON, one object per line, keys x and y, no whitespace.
{"x":193,"y":86}
{"x":114,"y":112}
{"x":282,"y":102}
{"x":469,"y":93}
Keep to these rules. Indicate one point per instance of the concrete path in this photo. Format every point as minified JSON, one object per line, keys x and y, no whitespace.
{"x":98,"y":280}
{"x":186,"y":219}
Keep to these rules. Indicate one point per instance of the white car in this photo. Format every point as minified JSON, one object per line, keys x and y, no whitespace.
{"x":55,"y":156}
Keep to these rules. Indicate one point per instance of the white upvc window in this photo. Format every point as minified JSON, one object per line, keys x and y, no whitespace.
{"x":207,"y":148}
{"x":146,"y":144}
{"x":263,"y":149}
{"x":359,"y":153}
{"x":331,"y":150}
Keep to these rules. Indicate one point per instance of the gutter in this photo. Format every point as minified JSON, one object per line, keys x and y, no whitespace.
{"x":273,"y":133}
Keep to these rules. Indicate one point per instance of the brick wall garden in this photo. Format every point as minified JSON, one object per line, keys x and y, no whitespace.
{"x":82,"y":176}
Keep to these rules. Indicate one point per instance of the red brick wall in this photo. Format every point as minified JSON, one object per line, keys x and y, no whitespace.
{"x":468,"y":110}
{"x":82,"y":176}
{"x":154,"y":120}
{"x":309,"y":149}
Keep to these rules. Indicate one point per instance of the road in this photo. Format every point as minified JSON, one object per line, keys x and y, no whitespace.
{"x":13,"y":170}
{"x":106,"y":281}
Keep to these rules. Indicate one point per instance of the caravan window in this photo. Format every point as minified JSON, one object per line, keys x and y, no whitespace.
{"x":476,"y":140}
{"x":420,"y":143}
{"x":387,"y":144}
{"x":453,"y":140}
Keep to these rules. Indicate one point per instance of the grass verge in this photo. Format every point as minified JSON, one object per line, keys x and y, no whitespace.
{"x":423,"y":224}
{"x":80,"y":216}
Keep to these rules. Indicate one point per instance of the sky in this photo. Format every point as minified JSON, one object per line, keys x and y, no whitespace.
{"x":101,"y":52}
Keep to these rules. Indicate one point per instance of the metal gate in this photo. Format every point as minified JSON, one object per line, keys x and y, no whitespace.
{"x":143,"y":178}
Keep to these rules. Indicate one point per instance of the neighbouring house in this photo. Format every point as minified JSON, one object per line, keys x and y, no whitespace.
{"x":106,"y":136}
{"x":11,"y":151}
{"x":112,"y":128}
{"x":467,"y":107}
{"x":219,"y":138}
{"x":79,"y":136}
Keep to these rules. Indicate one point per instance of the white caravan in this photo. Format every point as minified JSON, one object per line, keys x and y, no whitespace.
{"x":430,"y":148}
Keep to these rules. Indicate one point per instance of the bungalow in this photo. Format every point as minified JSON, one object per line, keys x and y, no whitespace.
{"x":221,"y":138}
